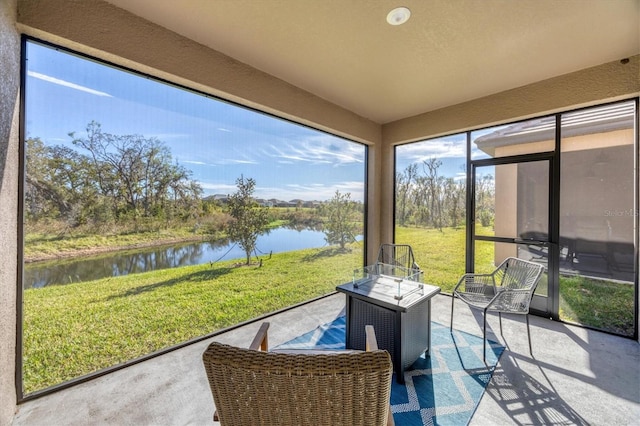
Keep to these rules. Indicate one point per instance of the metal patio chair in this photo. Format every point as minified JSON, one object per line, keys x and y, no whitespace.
{"x":299,"y":387}
{"x":508,"y":290}
{"x":399,"y":255}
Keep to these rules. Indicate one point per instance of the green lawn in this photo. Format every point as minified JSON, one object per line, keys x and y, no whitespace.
{"x":441,"y":254}
{"x":75,"y":329}
{"x":601,"y":304}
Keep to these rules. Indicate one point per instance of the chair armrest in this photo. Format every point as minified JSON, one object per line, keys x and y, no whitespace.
{"x":261,"y":341}
{"x":371,"y":341}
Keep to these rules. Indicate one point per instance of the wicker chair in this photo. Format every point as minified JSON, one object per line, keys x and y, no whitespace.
{"x":399,"y":255}
{"x":299,"y":387}
{"x":508,"y":289}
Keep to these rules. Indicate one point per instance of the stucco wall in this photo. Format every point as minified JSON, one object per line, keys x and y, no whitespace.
{"x":101,"y":29}
{"x":9,"y":89}
{"x":606,"y":82}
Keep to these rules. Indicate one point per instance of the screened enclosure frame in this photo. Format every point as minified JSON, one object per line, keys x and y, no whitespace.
{"x":554,"y":158}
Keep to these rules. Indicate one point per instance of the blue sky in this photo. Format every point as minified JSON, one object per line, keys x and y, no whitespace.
{"x":217,"y":141}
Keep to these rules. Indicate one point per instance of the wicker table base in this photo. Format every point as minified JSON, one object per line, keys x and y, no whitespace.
{"x":402,"y":326}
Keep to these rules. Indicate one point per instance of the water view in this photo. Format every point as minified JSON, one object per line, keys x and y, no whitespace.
{"x":41,"y":274}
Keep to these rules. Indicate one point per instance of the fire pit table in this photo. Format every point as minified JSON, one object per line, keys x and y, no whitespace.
{"x":397,"y":304}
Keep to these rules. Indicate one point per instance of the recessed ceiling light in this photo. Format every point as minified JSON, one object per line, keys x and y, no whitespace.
{"x":398,"y":16}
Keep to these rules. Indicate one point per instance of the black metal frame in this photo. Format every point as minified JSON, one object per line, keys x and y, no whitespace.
{"x":553,"y":305}
{"x":553,"y":216}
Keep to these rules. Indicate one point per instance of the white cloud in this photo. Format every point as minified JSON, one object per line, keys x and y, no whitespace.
{"x":236,"y":161}
{"x":320,"y":149}
{"x":460,"y":177}
{"x":66,"y":84}
{"x":421,"y":151}
{"x":314,"y":191}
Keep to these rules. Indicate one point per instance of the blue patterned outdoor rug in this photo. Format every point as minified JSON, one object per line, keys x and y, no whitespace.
{"x":443,"y":389}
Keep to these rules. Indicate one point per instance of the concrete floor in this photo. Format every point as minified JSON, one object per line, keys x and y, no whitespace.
{"x":578,"y":376}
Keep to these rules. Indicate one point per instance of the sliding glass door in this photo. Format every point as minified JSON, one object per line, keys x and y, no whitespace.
{"x":511,"y":212}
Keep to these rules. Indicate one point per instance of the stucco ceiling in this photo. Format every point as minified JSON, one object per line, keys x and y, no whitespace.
{"x":450,"y":51}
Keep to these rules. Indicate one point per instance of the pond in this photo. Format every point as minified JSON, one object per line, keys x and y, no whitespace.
{"x":41,"y":274}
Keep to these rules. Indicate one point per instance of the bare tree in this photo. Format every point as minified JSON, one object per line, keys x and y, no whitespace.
{"x":137,"y":173}
{"x":403,"y":190}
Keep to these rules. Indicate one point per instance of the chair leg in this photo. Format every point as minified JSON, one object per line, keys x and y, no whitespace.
{"x":500,"y":316}
{"x":484,"y":337}
{"x":529,"y":334}
{"x":453,"y":299}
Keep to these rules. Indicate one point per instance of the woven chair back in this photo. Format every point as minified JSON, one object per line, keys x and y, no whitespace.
{"x":517,"y":274}
{"x":270,"y":388}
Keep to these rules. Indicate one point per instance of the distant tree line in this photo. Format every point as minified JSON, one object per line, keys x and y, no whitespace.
{"x":108,"y":178}
{"x":426,"y":199}
{"x":130,"y":180}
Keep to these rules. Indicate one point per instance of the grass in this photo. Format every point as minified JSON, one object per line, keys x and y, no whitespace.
{"x":597,"y":303}
{"x":77,"y":329}
{"x":441,"y":254}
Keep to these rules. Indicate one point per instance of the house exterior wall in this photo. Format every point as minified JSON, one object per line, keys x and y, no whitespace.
{"x":99,"y":29}
{"x":607,"y":82}
{"x":9,"y":109}
{"x":589,"y":209}
{"x":506,"y":209}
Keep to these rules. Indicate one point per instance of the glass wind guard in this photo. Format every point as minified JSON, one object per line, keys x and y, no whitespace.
{"x":390,"y":280}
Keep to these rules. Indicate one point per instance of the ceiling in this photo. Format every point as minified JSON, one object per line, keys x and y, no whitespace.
{"x":450,"y":51}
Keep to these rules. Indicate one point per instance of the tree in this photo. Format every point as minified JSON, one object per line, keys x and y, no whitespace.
{"x":434,"y":186}
{"x":136,"y":173}
{"x":455,"y":201}
{"x":105,"y":178}
{"x":403,"y":188}
{"x":341,"y":226}
{"x":424,"y":198}
{"x":249,"y":219}
{"x":57,"y":185}
{"x":485,"y":200}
